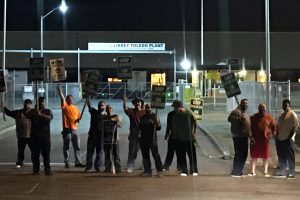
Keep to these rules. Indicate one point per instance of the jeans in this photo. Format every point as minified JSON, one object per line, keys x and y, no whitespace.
{"x":93,"y":143}
{"x":41,"y":145}
{"x":111,"y":152}
{"x":183,"y":148}
{"x":145,"y":148}
{"x":170,"y":154}
{"x":21,"y":148}
{"x":240,"y":154}
{"x":134,"y":147}
{"x":71,"y":135}
{"x":286,"y":156}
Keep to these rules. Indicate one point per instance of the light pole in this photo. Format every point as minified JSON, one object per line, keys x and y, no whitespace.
{"x":63,"y":8}
{"x":186,"y":64}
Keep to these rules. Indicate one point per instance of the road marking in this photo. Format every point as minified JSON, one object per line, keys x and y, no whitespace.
{"x":33,"y":188}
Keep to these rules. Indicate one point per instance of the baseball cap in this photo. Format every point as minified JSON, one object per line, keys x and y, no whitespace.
{"x":177,"y":103}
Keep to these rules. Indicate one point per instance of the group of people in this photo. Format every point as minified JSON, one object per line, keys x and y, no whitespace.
{"x":180,"y":133}
{"x":33,"y":129}
{"x":259,"y":129}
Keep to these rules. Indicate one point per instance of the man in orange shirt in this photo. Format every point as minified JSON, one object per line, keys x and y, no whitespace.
{"x":70,"y":117}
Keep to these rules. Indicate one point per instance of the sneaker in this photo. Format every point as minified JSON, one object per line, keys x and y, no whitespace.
{"x":195,"y":174}
{"x":160,"y":174}
{"x":267,"y":174}
{"x":145,"y":174}
{"x":252,"y":174}
{"x":129,"y":170}
{"x":18,"y":166}
{"x":235,"y":175}
{"x":79,"y":165}
{"x":165,"y":168}
{"x":291,"y":176}
{"x":183,"y":174}
{"x":280,"y":176}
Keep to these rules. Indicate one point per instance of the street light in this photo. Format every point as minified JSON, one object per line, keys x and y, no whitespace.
{"x":186,"y":64}
{"x":63,"y":8}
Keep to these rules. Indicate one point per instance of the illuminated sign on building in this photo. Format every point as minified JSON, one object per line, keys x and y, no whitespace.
{"x":126,"y":46}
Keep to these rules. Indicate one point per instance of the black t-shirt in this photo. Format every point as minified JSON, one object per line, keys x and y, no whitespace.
{"x":96,"y":122}
{"x":40,"y":126}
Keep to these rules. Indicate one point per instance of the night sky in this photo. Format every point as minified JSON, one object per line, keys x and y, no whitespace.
{"x":152,"y":15}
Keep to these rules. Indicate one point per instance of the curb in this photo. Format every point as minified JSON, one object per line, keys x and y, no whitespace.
{"x":214,"y":140}
{"x":7,"y":129}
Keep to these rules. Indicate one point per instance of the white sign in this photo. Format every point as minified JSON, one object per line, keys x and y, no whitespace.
{"x":57,"y":69}
{"x":127,"y":46}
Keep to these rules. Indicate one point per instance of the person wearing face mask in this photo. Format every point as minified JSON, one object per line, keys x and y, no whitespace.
{"x":241,"y":131}
{"x":263,"y":127}
{"x":23,"y":128}
{"x":285,"y":141}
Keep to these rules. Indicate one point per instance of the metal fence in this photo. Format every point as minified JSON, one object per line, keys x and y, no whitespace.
{"x":255,"y":92}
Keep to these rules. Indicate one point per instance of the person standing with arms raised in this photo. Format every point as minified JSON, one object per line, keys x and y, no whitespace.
{"x":70,"y":118}
{"x":134,"y":115}
{"x":94,"y":141}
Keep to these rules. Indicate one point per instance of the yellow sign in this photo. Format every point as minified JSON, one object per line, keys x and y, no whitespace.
{"x":215,"y":75}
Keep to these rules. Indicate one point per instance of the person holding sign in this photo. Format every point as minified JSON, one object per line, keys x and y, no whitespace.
{"x":70,"y":117}
{"x":149,"y":126}
{"x":134,"y":115}
{"x":23,"y":128}
{"x":95,"y":135}
{"x":111,"y":141}
{"x":241,"y":130}
{"x":40,"y":134}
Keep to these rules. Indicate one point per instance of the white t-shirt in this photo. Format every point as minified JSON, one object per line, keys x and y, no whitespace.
{"x":286,"y":121}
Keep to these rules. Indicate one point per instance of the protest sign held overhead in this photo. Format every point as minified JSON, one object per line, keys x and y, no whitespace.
{"x":158,"y":96}
{"x":125,"y":67}
{"x":57,"y":69}
{"x":92,"y":84}
{"x":230,"y":85}
{"x":36,"y":69}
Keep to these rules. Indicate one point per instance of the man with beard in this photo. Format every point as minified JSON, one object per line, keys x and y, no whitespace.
{"x":241,"y":130}
{"x":134,"y":115}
